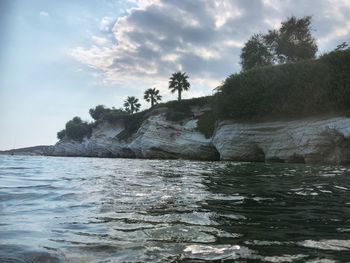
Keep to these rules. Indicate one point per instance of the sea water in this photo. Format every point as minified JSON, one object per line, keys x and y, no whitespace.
{"x":57,"y":209}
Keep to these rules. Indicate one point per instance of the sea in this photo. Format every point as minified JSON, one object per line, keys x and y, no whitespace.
{"x":65,"y":209}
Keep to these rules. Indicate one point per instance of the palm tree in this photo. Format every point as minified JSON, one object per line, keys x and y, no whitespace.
{"x":152,"y":95}
{"x":131,"y":105}
{"x":178,"y":82}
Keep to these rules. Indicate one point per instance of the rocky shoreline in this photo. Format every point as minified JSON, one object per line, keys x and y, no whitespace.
{"x":312,"y":140}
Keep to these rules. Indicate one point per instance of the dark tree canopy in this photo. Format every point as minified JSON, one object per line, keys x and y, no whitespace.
{"x":132,"y":105}
{"x":255,"y":53}
{"x":61,"y":134}
{"x":152,"y":95}
{"x":77,"y":129}
{"x":98,"y":112}
{"x":342,"y":46}
{"x":291,"y":43}
{"x":178,"y":83}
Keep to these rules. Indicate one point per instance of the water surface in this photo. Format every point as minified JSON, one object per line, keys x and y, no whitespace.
{"x":127,"y":210}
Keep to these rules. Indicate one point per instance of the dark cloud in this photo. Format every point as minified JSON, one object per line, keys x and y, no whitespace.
{"x":204,"y":38}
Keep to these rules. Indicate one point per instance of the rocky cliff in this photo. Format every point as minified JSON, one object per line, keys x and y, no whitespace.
{"x":157,"y":137}
{"x":313,"y":140}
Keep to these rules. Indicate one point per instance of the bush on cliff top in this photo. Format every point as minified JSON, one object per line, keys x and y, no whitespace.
{"x":101,"y":113}
{"x":179,"y":110}
{"x":61,"y":134}
{"x":76,"y":129}
{"x":292,"y":90}
{"x":132,"y":124}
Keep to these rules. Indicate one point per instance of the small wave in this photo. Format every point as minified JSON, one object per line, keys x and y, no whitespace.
{"x":330,"y":244}
{"x":23,"y":254}
{"x":283,"y":258}
{"x":16,"y":168}
{"x":215,"y":252}
{"x":180,"y":233}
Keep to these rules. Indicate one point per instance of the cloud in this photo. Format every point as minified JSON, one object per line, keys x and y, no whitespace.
{"x":99,"y":40}
{"x":201,"y":37}
{"x":106,"y":23}
{"x":43,"y":13}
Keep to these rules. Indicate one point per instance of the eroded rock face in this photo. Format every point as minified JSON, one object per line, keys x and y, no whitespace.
{"x":156,"y":138}
{"x":318,"y":140}
{"x":103,"y":143}
{"x":159,"y":138}
{"x":314,"y":140}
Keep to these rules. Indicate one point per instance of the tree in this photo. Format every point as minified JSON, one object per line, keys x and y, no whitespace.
{"x":77,"y":129}
{"x":131,"y":105}
{"x":98,"y":112}
{"x":255,"y":53}
{"x":293,"y":41}
{"x":178,"y":82}
{"x":61,"y":134}
{"x":152,"y":95}
{"x":342,"y":46}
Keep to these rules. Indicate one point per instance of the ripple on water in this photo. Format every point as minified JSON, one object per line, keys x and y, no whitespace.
{"x":24,"y":254}
{"x":121,"y":210}
{"x":216,"y":252}
{"x":331,"y":244}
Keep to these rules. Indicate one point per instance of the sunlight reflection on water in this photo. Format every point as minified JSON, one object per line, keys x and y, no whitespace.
{"x":124,"y":210}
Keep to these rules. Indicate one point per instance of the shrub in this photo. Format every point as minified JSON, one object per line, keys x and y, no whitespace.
{"x":338,"y":90}
{"x":114,"y":115}
{"x":291,"y":90}
{"x":206,"y":123}
{"x":132,"y":124}
{"x":61,"y":134}
{"x":76,"y":129}
{"x":179,"y":110}
{"x":98,"y":111}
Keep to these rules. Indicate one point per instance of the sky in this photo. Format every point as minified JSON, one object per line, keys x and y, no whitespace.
{"x":60,"y":58}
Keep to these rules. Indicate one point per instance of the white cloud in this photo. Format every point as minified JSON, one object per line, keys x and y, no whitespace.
{"x":201,"y":37}
{"x":43,"y":13}
{"x":99,"y":40}
{"x":106,"y":23}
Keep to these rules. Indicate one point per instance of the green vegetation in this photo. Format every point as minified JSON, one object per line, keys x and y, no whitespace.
{"x":61,"y":134}
{"x":132,"y":124}
{"x":101,"y":113}
{"x":293,"y":42}
{"x":206,"y":123}
{"x":255,"y":53}
{"x":77,"y":129}
{"x":179,"y":110}
{"x":98,"y":112}
{"x":178,"y":83}
{"x":280,"y":78}
{"x":114,"y":115}
{"x":292,"y":90}
{"x":152,"y":95}
{"x":132,"y":105}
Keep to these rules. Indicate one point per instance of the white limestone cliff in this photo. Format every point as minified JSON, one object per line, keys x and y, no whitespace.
{"x":156,"y":138}
{"x":159,"y":138}
{"x":312,"y":140}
